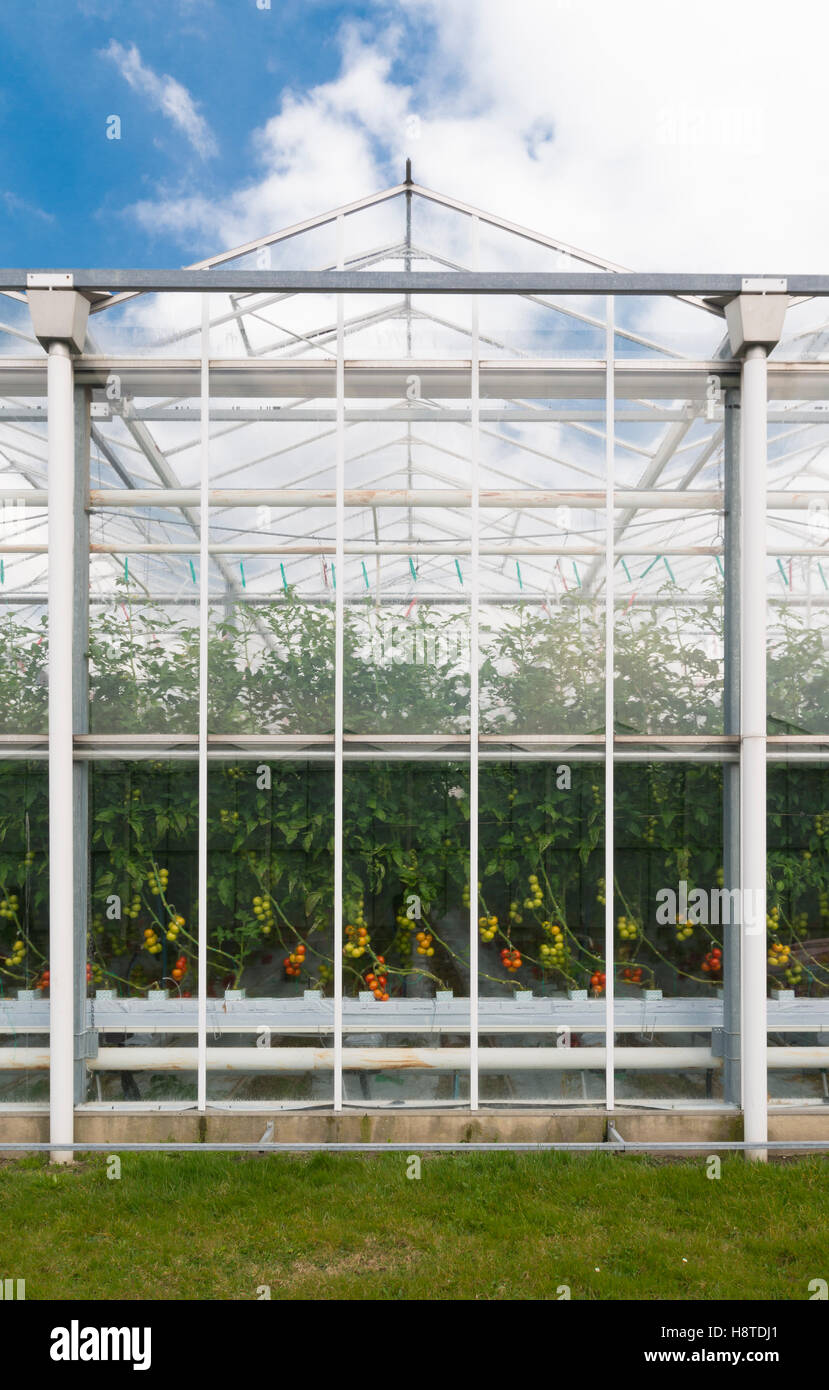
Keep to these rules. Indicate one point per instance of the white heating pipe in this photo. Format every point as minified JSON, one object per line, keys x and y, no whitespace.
{"x":490,"y":1059}
{"x":649,"y":499}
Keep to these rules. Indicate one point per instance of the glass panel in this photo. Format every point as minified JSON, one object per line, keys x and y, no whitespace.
{"x":271,"y":655}
{"x":406,"y":929}
{"x":564,"y":326}
{"x":407,"y":668}
{"x":797,"y":926}
{"x":270,"y":929}
{"x":542,"y":671}
{"x":143,"y":567}
{"x":668,"y":648}
{"x":143,"y":940}
{"x":24,"y":565}
{"x":541,"y":951}
{"x":669,"y":563}
{"x":143,"y":643}
{"x":797,"y":570}
{"x":542,"y":606}
{"x":24,"y":663}
{"x":670,"y":930}
{"x":24,"y":931}
{"x":270,"y":687}
{"x":24,"y":697}
{"x":656,"y":326}
{"x":147,"y":326}
{"x":407,"y":576}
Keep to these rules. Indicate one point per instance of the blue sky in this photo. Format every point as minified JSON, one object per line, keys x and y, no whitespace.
{"x":65,"y":189}
{"x":595,"y":121}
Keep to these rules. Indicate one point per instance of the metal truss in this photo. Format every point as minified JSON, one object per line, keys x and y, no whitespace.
{"x":666,"y":428}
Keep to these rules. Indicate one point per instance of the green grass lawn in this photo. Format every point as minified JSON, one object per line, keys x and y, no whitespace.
{"x":490,"y":1226}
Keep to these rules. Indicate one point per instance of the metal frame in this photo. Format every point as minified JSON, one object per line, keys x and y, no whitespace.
{"x":626,"y":393}
{"x":313,"y":1015}
{"x":477,"y":282}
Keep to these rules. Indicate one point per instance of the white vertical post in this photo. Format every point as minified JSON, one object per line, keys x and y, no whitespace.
{"x":339,"y":623}
{"x":732,"y":619}
{"x":80,"y":725}
{"x":753,"y":747}
{"x":61,"y":448}
{"x":474,"y":660}
{"x":204,"y":589}
{"x":609,"y":702}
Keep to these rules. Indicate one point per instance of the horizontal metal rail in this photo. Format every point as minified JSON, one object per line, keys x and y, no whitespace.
{"x":506,"y":414}
{"x":311,"y":1014}
{"x":441,"y":380}
{"x":412,"y":413}
{"x":356,"y":755}
{"x":448,"y":747}
{"x":133,"y":754}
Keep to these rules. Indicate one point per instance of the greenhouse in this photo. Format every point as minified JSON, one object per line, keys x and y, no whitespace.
{"x":416,"y":694}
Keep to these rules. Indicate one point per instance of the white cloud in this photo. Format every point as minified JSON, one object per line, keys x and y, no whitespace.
{"x":685,"y":137}
{"x":20,"y":207}
{"x":324,"y":147}
{"x":166,"y":95}
{"x":657,"y":134}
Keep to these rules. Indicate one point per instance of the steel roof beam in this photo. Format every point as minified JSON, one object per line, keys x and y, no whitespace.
{"x":220,"y":280}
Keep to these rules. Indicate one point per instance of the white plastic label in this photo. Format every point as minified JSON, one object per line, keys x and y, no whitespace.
{"x":764,"y":284}
{"x":50,"y":281}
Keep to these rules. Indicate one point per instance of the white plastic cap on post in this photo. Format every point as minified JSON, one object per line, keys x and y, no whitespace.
{"x":755,"y":318}
{"x":59,"y":312}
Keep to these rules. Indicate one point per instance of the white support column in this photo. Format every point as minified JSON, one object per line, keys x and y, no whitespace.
{"x":338,"y":578}
{"x":61,"y":454}
{"x":610,"y":702}
{"x":732,"y":620}
{"x":755,"y":322}
{"x":204,"y":635}
{"x":474,"y":678}
{"x":80,"y":725}
{"x":753,"y":747}
{"x":59,"y":317}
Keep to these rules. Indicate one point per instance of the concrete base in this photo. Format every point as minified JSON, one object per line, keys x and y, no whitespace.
{"x":411,"y":1126}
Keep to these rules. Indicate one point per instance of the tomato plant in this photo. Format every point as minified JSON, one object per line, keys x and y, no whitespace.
{"x":540,"y":900}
